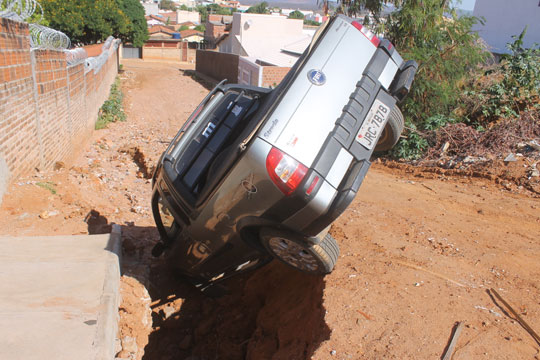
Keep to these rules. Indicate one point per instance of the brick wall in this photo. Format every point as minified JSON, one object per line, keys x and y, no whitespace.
{"x":217,"y":65}
{"x":272,"y":75}
{"x":178,"y":51}
{"x":47,"y":108}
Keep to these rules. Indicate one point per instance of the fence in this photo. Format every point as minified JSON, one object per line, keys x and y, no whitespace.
{"x":47,"y":107}
{"x":217,"y":65}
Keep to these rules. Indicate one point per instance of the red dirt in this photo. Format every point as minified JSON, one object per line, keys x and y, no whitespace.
{"x":419,"y":249}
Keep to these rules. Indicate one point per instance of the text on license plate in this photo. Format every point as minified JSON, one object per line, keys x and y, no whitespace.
{"x":373,"y":125}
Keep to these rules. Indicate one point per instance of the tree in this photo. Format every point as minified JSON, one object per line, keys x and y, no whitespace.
{"x":354,"y":7}
{"x":446,"y":49}
{"x":296,"y":14}
{"x":203,"y":11}
{"x":91,"y":21}
{"x":137,"y":32}
{"x":167,"y":5}
{"x":260,"y":8}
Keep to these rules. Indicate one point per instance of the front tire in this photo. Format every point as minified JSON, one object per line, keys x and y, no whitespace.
{"x":317,"y":259}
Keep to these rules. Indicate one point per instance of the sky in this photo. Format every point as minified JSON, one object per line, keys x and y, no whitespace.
{"x":467,"y":5}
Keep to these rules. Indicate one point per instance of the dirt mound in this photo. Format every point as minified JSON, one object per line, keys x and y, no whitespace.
{"x":517,"y":176}
{"x":461,"y":140}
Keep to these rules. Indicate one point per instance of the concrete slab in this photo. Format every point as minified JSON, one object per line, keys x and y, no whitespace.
{"x":59,"y":296}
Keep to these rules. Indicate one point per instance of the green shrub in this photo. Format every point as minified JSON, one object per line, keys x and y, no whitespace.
{"x":411,"y":147}
{"x":111,"y":110}
{"x":505,"y":90}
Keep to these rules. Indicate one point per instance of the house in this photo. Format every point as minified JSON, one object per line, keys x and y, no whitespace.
{"x":192,"y":36}
{"x":168,"y":44}
{"x":159,"y":32}
{"x":266,"y":38}
{"x":267,"y":45}
{"x":216,"y":27}
{"x":505,"y":18}
{"x":188,"y":24}
{"x":150,"y":8}
{"x":152,"y":20}
{"x":230,"y":4}
{"x":184,"y":15}
{"x":315,"y":17}
{"x":169,"y":17}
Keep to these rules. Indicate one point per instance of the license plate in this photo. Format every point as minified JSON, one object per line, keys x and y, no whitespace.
{"x":373,"y":125}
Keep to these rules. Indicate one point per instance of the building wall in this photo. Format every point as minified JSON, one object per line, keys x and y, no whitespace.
{"x":272,"y":75}
{"x":47,"y":109}
{"x":151,"y":8}
{"x":217,"y":65}
{"x":173,"y":51}
{"x":505,"y":18}
{"x":249,"y":72}
{"x":184,"y":15}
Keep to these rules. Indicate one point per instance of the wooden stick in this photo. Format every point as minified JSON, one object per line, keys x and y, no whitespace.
{"x":522,"y":322}
{"x":430,"y":272}
{"x":453,"y":341}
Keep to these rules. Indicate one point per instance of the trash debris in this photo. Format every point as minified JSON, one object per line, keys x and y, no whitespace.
{"x":364,"y":315}
{"x":510,"y":158}
{"x":534,"y":144}
{"x":489,"y":310}
{"x":518,"y":318}
{"x":453,"y":341}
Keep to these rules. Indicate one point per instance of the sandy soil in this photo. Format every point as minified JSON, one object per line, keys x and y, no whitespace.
{"x":419,"y":251}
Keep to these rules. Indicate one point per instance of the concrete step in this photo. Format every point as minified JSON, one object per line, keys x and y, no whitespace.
{"x":59,"y":296}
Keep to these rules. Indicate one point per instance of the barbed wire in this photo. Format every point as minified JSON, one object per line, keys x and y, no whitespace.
{"x":75,"y":56}
{"x":43,"y":37}
{"x":95,"y":63}
{"x":107,"y":43}
{"x":19,"y":10}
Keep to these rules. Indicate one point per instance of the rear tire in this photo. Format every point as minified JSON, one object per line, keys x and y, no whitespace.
{"x":392,"y":131}
{"x":317,"y":259}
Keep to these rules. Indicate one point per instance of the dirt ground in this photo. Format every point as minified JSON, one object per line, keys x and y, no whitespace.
{"x":420,"y":248}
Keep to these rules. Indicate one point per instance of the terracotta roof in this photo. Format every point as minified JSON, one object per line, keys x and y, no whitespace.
{"x":169,"y":15}
{"x":155,"y":17}
{"x":187,"y":23}
{"x":187,"y":33}
{"x":160,"y":28}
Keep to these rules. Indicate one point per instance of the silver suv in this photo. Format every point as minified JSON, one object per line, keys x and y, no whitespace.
{"x":256,"y":174}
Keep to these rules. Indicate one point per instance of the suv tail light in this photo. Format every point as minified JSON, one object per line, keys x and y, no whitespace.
{"x":367,"y":33}
{"x":285,"y":172}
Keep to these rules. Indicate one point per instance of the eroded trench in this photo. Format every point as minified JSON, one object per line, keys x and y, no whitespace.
{"x":272,"y":312}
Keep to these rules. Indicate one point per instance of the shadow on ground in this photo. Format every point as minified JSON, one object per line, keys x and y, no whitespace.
{"x":207,"y":82}
{"x":273,"y":312}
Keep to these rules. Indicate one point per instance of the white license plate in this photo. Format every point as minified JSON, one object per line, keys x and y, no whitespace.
{"x":373,"y":125}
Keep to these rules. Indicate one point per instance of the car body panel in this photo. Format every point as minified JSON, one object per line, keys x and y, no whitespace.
{"x":312,"y":117}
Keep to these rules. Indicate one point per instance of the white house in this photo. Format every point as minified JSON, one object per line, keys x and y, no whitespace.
{"x":273,"y":40}
{"x":504,"y":18}
{"x":150,"y":8}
